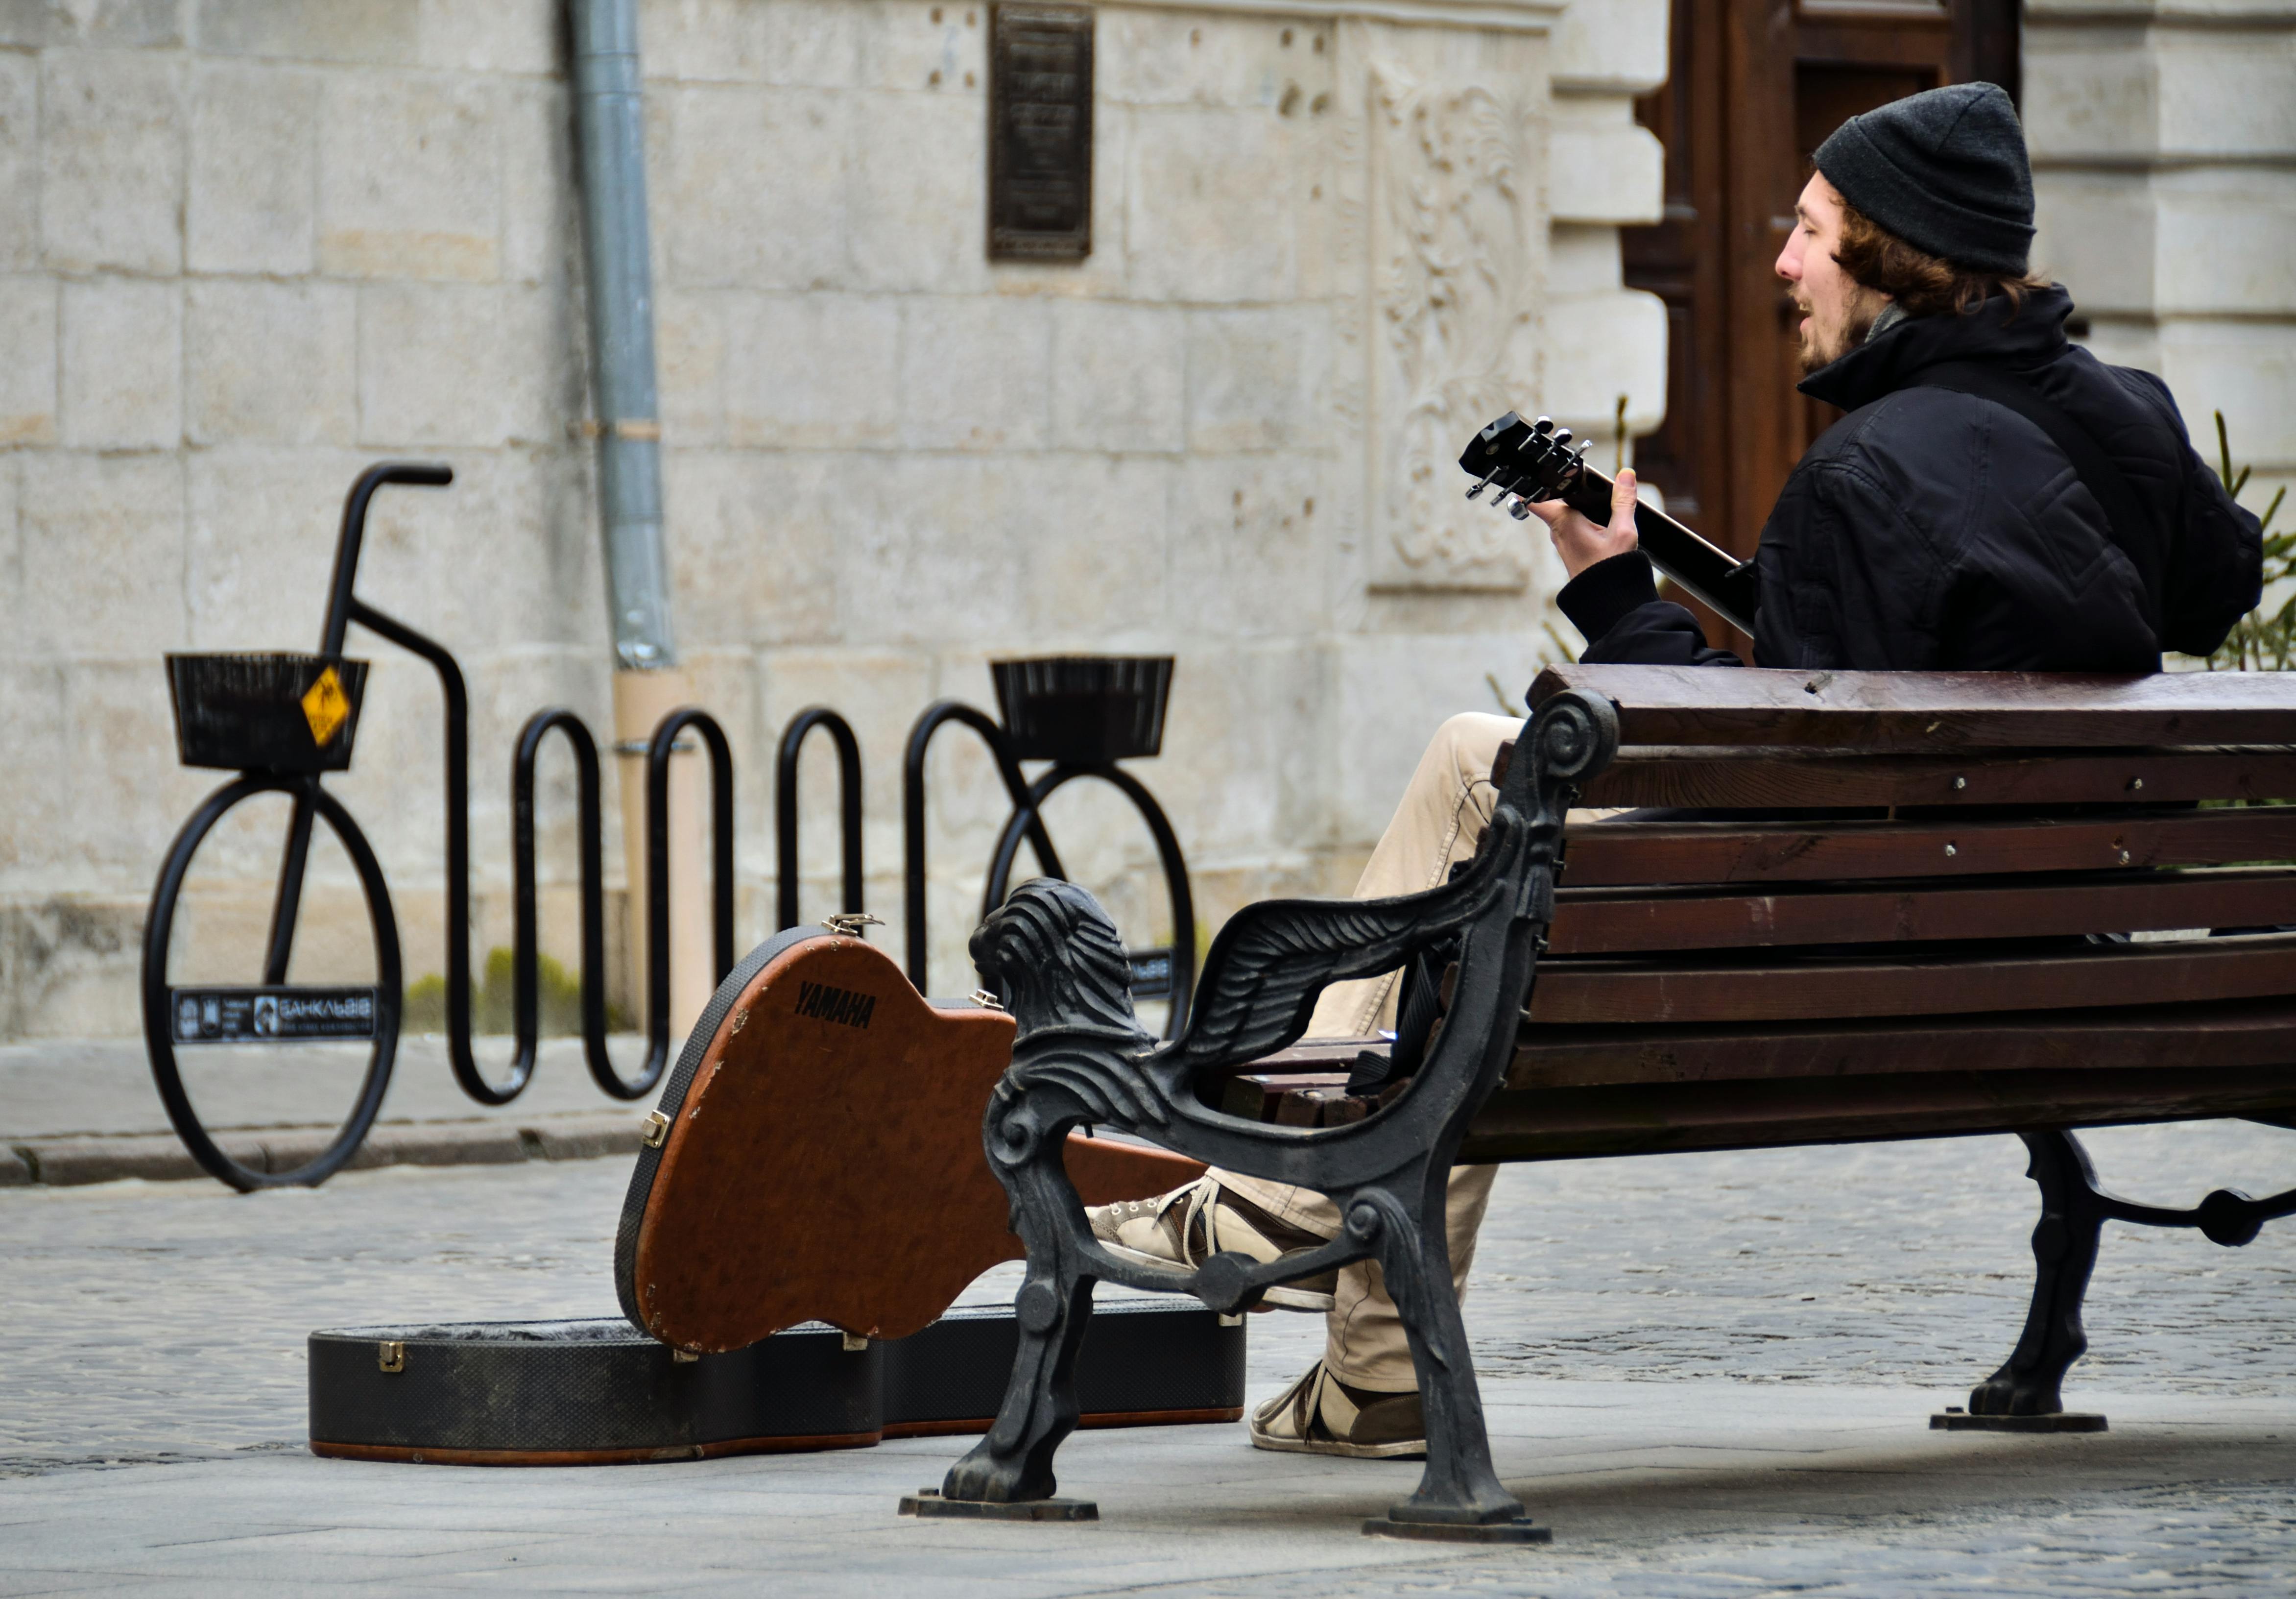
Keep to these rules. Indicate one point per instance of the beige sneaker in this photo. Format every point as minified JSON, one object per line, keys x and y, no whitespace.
{"x":1189,"y":1226}
{"x":1320,"y":1414}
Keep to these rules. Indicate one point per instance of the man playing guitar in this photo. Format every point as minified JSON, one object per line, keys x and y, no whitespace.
{"x":1996,"y":499}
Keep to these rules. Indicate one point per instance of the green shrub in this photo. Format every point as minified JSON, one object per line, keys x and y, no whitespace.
{"x":493,"y":1001}
{"x":2259,"y":643}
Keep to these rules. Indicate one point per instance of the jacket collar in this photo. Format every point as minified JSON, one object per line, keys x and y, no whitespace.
{"x":1988,"y":331}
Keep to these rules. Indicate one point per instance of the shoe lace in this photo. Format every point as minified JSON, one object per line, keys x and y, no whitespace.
{"x":1194,"y":1234}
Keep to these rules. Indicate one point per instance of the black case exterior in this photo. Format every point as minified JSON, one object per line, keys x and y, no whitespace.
{"x":599,"y":1393}
{"x":1143,"y":1361}
{"x":603,"y":1391}
{"x":596,"y":1392}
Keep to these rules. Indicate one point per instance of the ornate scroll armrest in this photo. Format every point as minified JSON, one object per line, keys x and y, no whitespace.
{"x":1272,"y":959}
{"x":1055,"y":952}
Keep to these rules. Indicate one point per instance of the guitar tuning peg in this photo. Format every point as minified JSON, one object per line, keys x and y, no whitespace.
{"x":1476,"y":493}
{"x":1543,"y":426}
{"x":1563,"y":436}
{"x":1520,"y":510}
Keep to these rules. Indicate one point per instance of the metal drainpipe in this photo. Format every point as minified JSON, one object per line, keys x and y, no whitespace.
{"x":608,"y":112}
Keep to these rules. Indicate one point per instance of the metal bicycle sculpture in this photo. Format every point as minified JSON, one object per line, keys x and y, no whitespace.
{"x":283,"y":721}
{"x":1084,"y":714}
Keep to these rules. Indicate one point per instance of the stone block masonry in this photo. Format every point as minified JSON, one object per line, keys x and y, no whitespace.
{"x":246,"y":246}
{"x":2164,"y":168}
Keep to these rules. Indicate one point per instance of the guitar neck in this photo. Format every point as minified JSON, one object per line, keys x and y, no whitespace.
{"x":1723,"y":582}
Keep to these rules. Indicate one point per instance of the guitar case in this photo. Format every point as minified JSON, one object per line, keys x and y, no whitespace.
{"x":810,"y":1198}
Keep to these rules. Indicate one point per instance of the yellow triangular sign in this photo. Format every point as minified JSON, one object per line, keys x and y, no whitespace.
{"x":325,"y":706}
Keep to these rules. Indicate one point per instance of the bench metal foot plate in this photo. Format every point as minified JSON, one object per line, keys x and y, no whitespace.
{"x":1519,"y":1531}
{"x":928,"y":1502}
{"x":2064,"y":1420}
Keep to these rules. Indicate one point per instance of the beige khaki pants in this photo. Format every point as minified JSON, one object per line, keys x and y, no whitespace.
{"x":1444,"y":812}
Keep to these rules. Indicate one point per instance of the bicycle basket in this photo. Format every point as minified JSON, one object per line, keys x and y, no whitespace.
{"x":267,"y":713}
{"x":1086,"y":709}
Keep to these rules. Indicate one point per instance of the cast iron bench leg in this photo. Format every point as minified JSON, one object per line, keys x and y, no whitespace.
{"x":1459,"y":1493}
{"x":1014,"y":1463}
{"x":2064,"y":1252}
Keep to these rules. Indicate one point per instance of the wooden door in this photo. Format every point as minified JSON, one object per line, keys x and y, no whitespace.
{"x":1755,"y":86}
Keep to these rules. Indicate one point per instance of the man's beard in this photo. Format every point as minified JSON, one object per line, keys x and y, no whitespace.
{"x":1863,"y":313}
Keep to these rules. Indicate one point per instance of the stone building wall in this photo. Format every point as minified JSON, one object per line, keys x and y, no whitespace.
{"x":246,"y":246}
{"x":2163,"y":135}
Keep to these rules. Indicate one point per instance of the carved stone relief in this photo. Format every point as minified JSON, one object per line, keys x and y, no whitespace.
{"x":1455,"y":271}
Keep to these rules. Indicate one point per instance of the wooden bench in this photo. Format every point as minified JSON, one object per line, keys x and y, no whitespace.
{"x":1944,"y":904}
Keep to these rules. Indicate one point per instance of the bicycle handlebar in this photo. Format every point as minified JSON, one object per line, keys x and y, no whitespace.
{"x":414,"y":474}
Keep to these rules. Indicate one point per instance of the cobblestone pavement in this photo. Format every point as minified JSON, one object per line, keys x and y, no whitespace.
{"x":1708,"y":1371}
{"x":102,"y":1086}
{"x":2224,"y":1539}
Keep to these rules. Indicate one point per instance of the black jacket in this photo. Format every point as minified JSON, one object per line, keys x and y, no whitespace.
{"x":1933,"y":531}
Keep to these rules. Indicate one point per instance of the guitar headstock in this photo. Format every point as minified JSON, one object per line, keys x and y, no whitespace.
{"x":1522,"y":461}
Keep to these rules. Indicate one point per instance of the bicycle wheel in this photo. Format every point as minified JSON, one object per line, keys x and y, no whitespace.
{"x":212,"y":1015}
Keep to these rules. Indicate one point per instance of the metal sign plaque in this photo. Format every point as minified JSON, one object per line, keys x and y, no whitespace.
{"x":1040,"y":133}
{"x":271,"y":1015}
{"x":1151,"y":973}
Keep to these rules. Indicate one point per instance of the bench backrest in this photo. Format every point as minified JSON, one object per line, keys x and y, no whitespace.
{"x":1999,"y":820}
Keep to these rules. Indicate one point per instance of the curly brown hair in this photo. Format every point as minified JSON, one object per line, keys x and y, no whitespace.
{"x":1923,"y":284}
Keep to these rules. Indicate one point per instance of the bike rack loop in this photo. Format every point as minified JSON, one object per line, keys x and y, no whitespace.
{"x":721,"y":832}
{"x":912,"y":815}
{"x":786,"y":809}
{"x":1167,"y":852}
{"x":526,"y":950}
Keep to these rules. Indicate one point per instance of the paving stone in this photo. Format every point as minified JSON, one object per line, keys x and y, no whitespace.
{"x":161,"y":1158}
{"x":1709,"y":1373}
{"x":64,"y":1164}
{"x":584,"y":1141}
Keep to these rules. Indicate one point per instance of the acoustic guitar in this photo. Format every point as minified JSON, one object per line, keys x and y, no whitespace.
{"x":1516,"y":461}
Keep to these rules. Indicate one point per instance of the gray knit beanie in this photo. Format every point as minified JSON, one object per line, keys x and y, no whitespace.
{"x":1945,"y":170}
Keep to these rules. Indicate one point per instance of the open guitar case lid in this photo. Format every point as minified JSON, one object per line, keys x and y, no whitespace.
{"x":809,"y":1199}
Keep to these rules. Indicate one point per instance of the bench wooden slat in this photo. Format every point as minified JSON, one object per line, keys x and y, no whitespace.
{"x":2255,"y":1034}
{"x":1571,"y":993}
{"x":1766,"y":779}
{"x":1622,"y":921}
{"x":1566,"y":1123}
{"x":1604,"y":854}
{"x":1881,"y":712}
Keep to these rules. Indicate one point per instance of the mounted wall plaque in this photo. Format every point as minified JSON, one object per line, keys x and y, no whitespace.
{"x":1040,"y":133}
